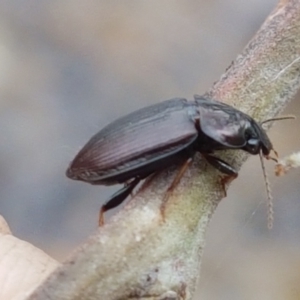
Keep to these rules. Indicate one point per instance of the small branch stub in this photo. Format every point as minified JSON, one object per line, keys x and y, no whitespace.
{"x":287,"y":163}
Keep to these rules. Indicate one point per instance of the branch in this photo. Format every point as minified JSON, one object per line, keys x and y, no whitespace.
{"x":136,"y":255}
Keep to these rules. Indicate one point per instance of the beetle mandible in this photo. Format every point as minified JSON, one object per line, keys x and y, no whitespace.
{"x":150,"y":139}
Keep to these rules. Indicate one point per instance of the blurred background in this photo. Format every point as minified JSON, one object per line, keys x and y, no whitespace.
{"x":67,"y":68}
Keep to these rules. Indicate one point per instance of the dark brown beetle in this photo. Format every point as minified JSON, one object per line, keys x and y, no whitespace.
{"x":152,"y":138}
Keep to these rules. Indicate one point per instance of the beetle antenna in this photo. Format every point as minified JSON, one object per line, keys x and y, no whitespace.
{"x":287,"y":117}
{"x":269,"y":193}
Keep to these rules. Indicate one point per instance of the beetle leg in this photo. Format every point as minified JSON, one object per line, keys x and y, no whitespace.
{"x":117,"y":198}
{"x":223,"y":167}
{"x":220,"y":165}
{"x":147,"y":182}
{"x":226,"y":181}
{"x":175,"y":182}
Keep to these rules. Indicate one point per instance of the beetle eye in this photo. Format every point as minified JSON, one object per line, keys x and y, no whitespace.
{"x":253,"y":146}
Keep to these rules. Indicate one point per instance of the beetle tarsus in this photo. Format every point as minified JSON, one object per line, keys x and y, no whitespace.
{"x":101,"y":217}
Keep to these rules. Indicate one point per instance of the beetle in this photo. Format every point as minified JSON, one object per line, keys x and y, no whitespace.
{"x":150,"y":139}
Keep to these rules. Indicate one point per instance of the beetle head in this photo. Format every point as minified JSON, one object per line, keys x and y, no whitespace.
{"x":256,"y":139}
